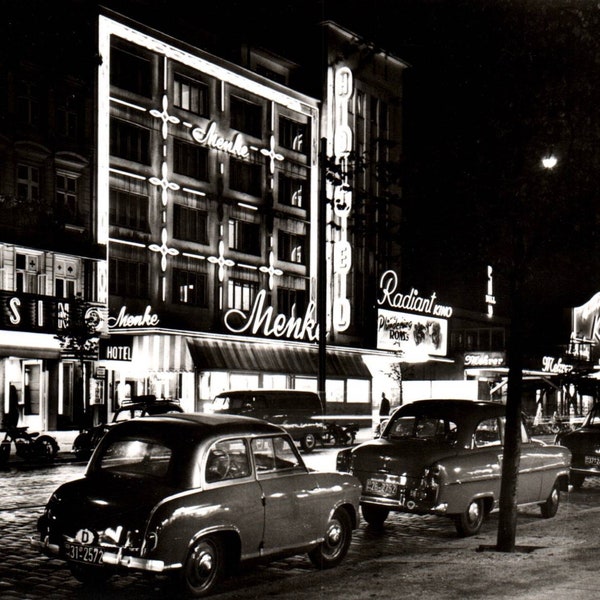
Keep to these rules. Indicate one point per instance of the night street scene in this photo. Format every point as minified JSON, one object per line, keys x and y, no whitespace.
{"x":299,"y":299}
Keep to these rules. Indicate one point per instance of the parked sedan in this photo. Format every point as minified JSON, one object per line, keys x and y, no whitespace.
{"x":444,"y":457}
{"x":584,"y":444}
{"x":141,"y":406}
{"x":193,"y":495}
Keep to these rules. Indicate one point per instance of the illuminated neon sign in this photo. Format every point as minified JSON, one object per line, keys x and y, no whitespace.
{"x":210,"y":137}
{"x":262,"y":320}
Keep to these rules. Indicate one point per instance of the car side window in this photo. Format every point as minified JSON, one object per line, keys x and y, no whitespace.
{"x":487,"y":433}
{"x":227,"y":459}
{"x":274,"y":454}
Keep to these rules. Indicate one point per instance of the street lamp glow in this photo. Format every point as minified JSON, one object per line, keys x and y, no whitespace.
{"x":549,"y":162}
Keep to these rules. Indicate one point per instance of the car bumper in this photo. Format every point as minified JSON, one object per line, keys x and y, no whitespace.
{"x":409,"y":506}
{"x":111,"y":559}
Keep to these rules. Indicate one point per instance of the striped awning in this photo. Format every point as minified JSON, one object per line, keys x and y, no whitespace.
{"x":161,"y":353}
{"x":220,"y":355}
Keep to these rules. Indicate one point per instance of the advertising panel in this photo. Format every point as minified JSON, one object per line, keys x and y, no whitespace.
{"x":412,"y":334}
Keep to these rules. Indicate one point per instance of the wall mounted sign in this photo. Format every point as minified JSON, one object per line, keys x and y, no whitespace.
{"x":261,"y":320}
{"x":119,"y":347}
{"x":474,"y":360}
{"x":126,"y":320}
{"x":413,"y":335}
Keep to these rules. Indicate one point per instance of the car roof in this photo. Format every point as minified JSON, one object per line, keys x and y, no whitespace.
{"x":202,"y":424}
{"x":453,"y":406}
{"x":144,"y":404}
{"x":266,"y":391}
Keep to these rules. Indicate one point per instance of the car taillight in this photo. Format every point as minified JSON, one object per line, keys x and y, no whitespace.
{"x":343,"y":461}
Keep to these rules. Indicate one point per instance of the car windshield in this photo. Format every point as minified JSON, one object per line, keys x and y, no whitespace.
{"x":593,"y":419}
{"x":137,"y":457}
{"x":422,"y":427}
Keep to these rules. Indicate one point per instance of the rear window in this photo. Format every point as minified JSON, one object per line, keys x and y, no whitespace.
{"x":137,"y":457}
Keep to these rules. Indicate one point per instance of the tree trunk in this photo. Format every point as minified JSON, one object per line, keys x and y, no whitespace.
{"x":507,"y":523}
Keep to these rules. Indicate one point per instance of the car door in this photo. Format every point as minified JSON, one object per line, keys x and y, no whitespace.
{"x":531,"y":470}
{"x":290,"y":495}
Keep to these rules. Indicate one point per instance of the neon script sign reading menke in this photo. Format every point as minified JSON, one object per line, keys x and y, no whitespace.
{"x":262,"y":320}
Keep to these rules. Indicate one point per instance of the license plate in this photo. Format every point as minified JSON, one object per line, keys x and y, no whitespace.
{"x":87,"y":554}
{"x":381,"y":488}
{"x":592,"y":460}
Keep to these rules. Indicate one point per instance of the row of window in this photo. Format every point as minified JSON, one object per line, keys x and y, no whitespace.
{"x":31,"y":97}
{"x":28,"y":275}
{"x":130,"y":278}
{"x":131,"y":210}
{"x":133,"y":73}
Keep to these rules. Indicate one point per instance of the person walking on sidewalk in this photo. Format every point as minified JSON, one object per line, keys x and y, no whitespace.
{"x":384,"y":407}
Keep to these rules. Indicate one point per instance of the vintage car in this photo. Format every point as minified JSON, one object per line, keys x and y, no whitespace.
{"x":194,"y":495}
{"x":584,"y":444}
{"x":444,"y":457}
{"x":140,"y":406}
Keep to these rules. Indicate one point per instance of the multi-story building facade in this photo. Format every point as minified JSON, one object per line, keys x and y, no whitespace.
{"x":50,"y":252}
{"x":185,"y":194}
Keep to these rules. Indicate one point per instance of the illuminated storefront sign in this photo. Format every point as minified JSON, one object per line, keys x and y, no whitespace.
{"x":389,"y":296}
{"x":42,"y":314}
{"x":211,"y":138}
{"x":120,"y":348}
{"x":417,"y":336}
{"x":414,"y":335}
{"x":550,"y":364}
{"x":261,"y":320}
{"x":484,"y":359}
{"x":124,"y":319}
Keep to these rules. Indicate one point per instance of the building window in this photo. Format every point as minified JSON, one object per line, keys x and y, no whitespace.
{"x":28,"y":103}
{"x":28,"y":182}
{"x":244,"y":236}
{"x":246,"y":116}
{"x":293,"y":135}
{"x":245,"y":177}
{"x":190,"y":95}
{"x":130,"y":72}
{"x":65,"y":278}
{"x":67,"y":116}
{"x":291,"y":247}
{"x":66,"y":196}
{"x":292,"y":191}
{"x":129,"y":210}
{"x":27,"y":274}
{"x":189,"y":287}
{"x":241,"y":294}
{"x":190,"y":224}
{"x":288,"y":298}
{"x":130,"y":141}
{"x":128,"y":278}
{"x":190,"y":160}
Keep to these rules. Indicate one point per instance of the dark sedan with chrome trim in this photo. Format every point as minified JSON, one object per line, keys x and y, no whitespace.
{"x":584,"y":444}
{"x":444,"y":457}
{"x":193,"y":495}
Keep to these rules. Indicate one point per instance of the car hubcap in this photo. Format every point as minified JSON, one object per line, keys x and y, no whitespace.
{"x":204,"y":564}
{"x":473,"y":512}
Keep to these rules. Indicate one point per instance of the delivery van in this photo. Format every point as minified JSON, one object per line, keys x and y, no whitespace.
{"x":294,"y":410}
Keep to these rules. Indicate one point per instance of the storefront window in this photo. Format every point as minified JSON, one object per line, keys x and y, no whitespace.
{"x":358,"y":390}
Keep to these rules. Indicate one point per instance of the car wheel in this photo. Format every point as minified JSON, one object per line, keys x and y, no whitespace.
{"x":90,"y":575}
{"x":45,"y":448}
{"x":309,"y":442}
{"x":334,"y":547}
{"x":469,"y":522}
{"x":203,"y":567}
{"x":374,"y":515}
{"x":576,"y":480}
{"x":550,"y":506}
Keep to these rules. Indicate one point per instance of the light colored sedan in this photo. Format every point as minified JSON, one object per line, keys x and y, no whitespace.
{"x":444,"y":457}
{"x":194,"y":495}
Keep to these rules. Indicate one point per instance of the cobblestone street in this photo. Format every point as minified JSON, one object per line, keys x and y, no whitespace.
{"x":407,"y":544}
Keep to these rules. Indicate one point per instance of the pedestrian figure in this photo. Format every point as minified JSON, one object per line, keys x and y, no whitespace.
{"x":384,"y":406}
{"x":13,"y":407}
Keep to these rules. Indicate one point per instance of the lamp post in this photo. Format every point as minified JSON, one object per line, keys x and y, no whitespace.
{"x":322,"y":275}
